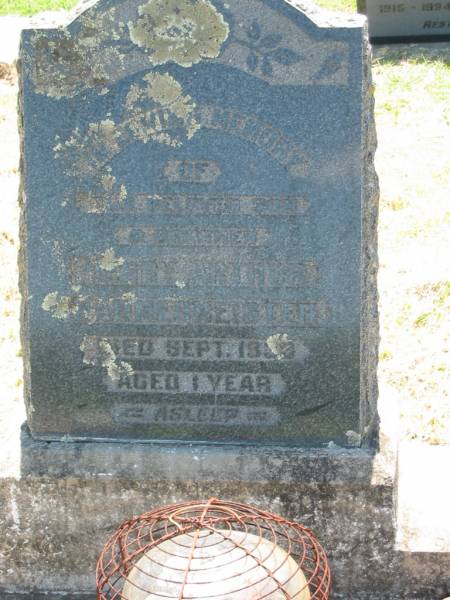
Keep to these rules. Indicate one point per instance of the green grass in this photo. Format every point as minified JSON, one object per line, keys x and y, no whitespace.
{"x":343,"y":5}
{"x":417,"y":81}
{"x":31,"y":7}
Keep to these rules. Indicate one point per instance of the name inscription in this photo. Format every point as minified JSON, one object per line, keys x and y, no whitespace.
{"x":200,"y":271}
{"x":192,"y":236}
{"x":217,"y":204}
{"x":176,"y":311}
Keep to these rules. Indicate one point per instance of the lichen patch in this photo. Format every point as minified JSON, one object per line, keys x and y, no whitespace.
{"x":180,"y":31}
{"x":279,"y":344}
{"x":108,"y":261}
{"x":98,"y":352}
{"x":156,"y":110}
{"x":61,"y":307}
{"x":159,"y":111}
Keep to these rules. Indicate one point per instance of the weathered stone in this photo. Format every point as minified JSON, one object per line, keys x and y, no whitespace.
{"x":52,"y":538}
{"x":406,"y":19}
{"x":200,"y":224}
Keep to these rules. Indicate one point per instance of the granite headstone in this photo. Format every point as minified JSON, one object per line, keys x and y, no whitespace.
{"x":406,"y":18}
{"x":196,"y":181}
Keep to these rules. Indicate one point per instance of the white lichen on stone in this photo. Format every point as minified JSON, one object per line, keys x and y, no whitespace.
{"x":160,"y":112}
{"x":180,"y":31}
{"x":87,"y":155}
{"x":156,"y":111}
{"x":129,"y":298}
{"x":108,"y":261}
{"x":98,"y":352}
{"x":279,"y":344}
{"x":353,"y":438}
{"x":61,"y":306}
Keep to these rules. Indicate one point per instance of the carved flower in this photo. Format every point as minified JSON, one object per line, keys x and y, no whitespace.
{"x":182,"y":31}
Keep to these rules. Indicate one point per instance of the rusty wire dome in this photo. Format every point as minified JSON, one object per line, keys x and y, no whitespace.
{"x":212,"y":551}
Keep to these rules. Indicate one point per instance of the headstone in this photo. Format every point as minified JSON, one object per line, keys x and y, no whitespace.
{"x":199,"y":210}
{"x":406,"y":18}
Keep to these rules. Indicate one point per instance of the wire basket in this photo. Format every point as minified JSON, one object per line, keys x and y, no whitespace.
{"x":212,"y":551}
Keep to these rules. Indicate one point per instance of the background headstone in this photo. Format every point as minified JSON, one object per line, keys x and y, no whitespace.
{"x":406,"y":18}
{"x":197,"y":176}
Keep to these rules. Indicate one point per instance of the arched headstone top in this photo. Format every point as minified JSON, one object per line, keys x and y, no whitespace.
{"x":268,"y":39}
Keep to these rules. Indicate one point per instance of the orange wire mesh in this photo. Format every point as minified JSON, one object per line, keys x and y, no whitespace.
{"x":231,"y":526}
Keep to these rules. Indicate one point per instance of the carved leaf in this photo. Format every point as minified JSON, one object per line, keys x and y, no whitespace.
{"x":271,"y":41}
{"x":266,"y":67}
{"x":329,"y":66}
{"x":285,"y":56}
{"x":254,"y":31}
{"x":252,"y":61}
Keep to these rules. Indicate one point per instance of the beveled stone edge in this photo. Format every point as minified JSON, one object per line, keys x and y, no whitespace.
{"x":174,"y":461}
{"x":324,"y":18}
{"x":370,"y":334}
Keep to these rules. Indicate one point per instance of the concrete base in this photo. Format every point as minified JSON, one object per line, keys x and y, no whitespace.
{"x":54,"y":524}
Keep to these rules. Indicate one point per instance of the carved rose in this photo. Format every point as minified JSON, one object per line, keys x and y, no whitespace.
{"x":181,"y":31}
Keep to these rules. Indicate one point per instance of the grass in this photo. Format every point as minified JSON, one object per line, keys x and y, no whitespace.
{"x":31,"y":7}
{"x":413,"y":123}
{"x":404,"y":79}
{"x":343,"y":5}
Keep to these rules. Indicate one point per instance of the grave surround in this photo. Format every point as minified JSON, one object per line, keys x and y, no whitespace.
{"x":189,"y":159}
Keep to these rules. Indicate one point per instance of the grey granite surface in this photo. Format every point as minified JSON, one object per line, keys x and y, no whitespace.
{"x":199,"y":225}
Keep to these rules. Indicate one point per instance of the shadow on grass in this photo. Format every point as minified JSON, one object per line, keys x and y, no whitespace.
{"x":416,"y":51}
